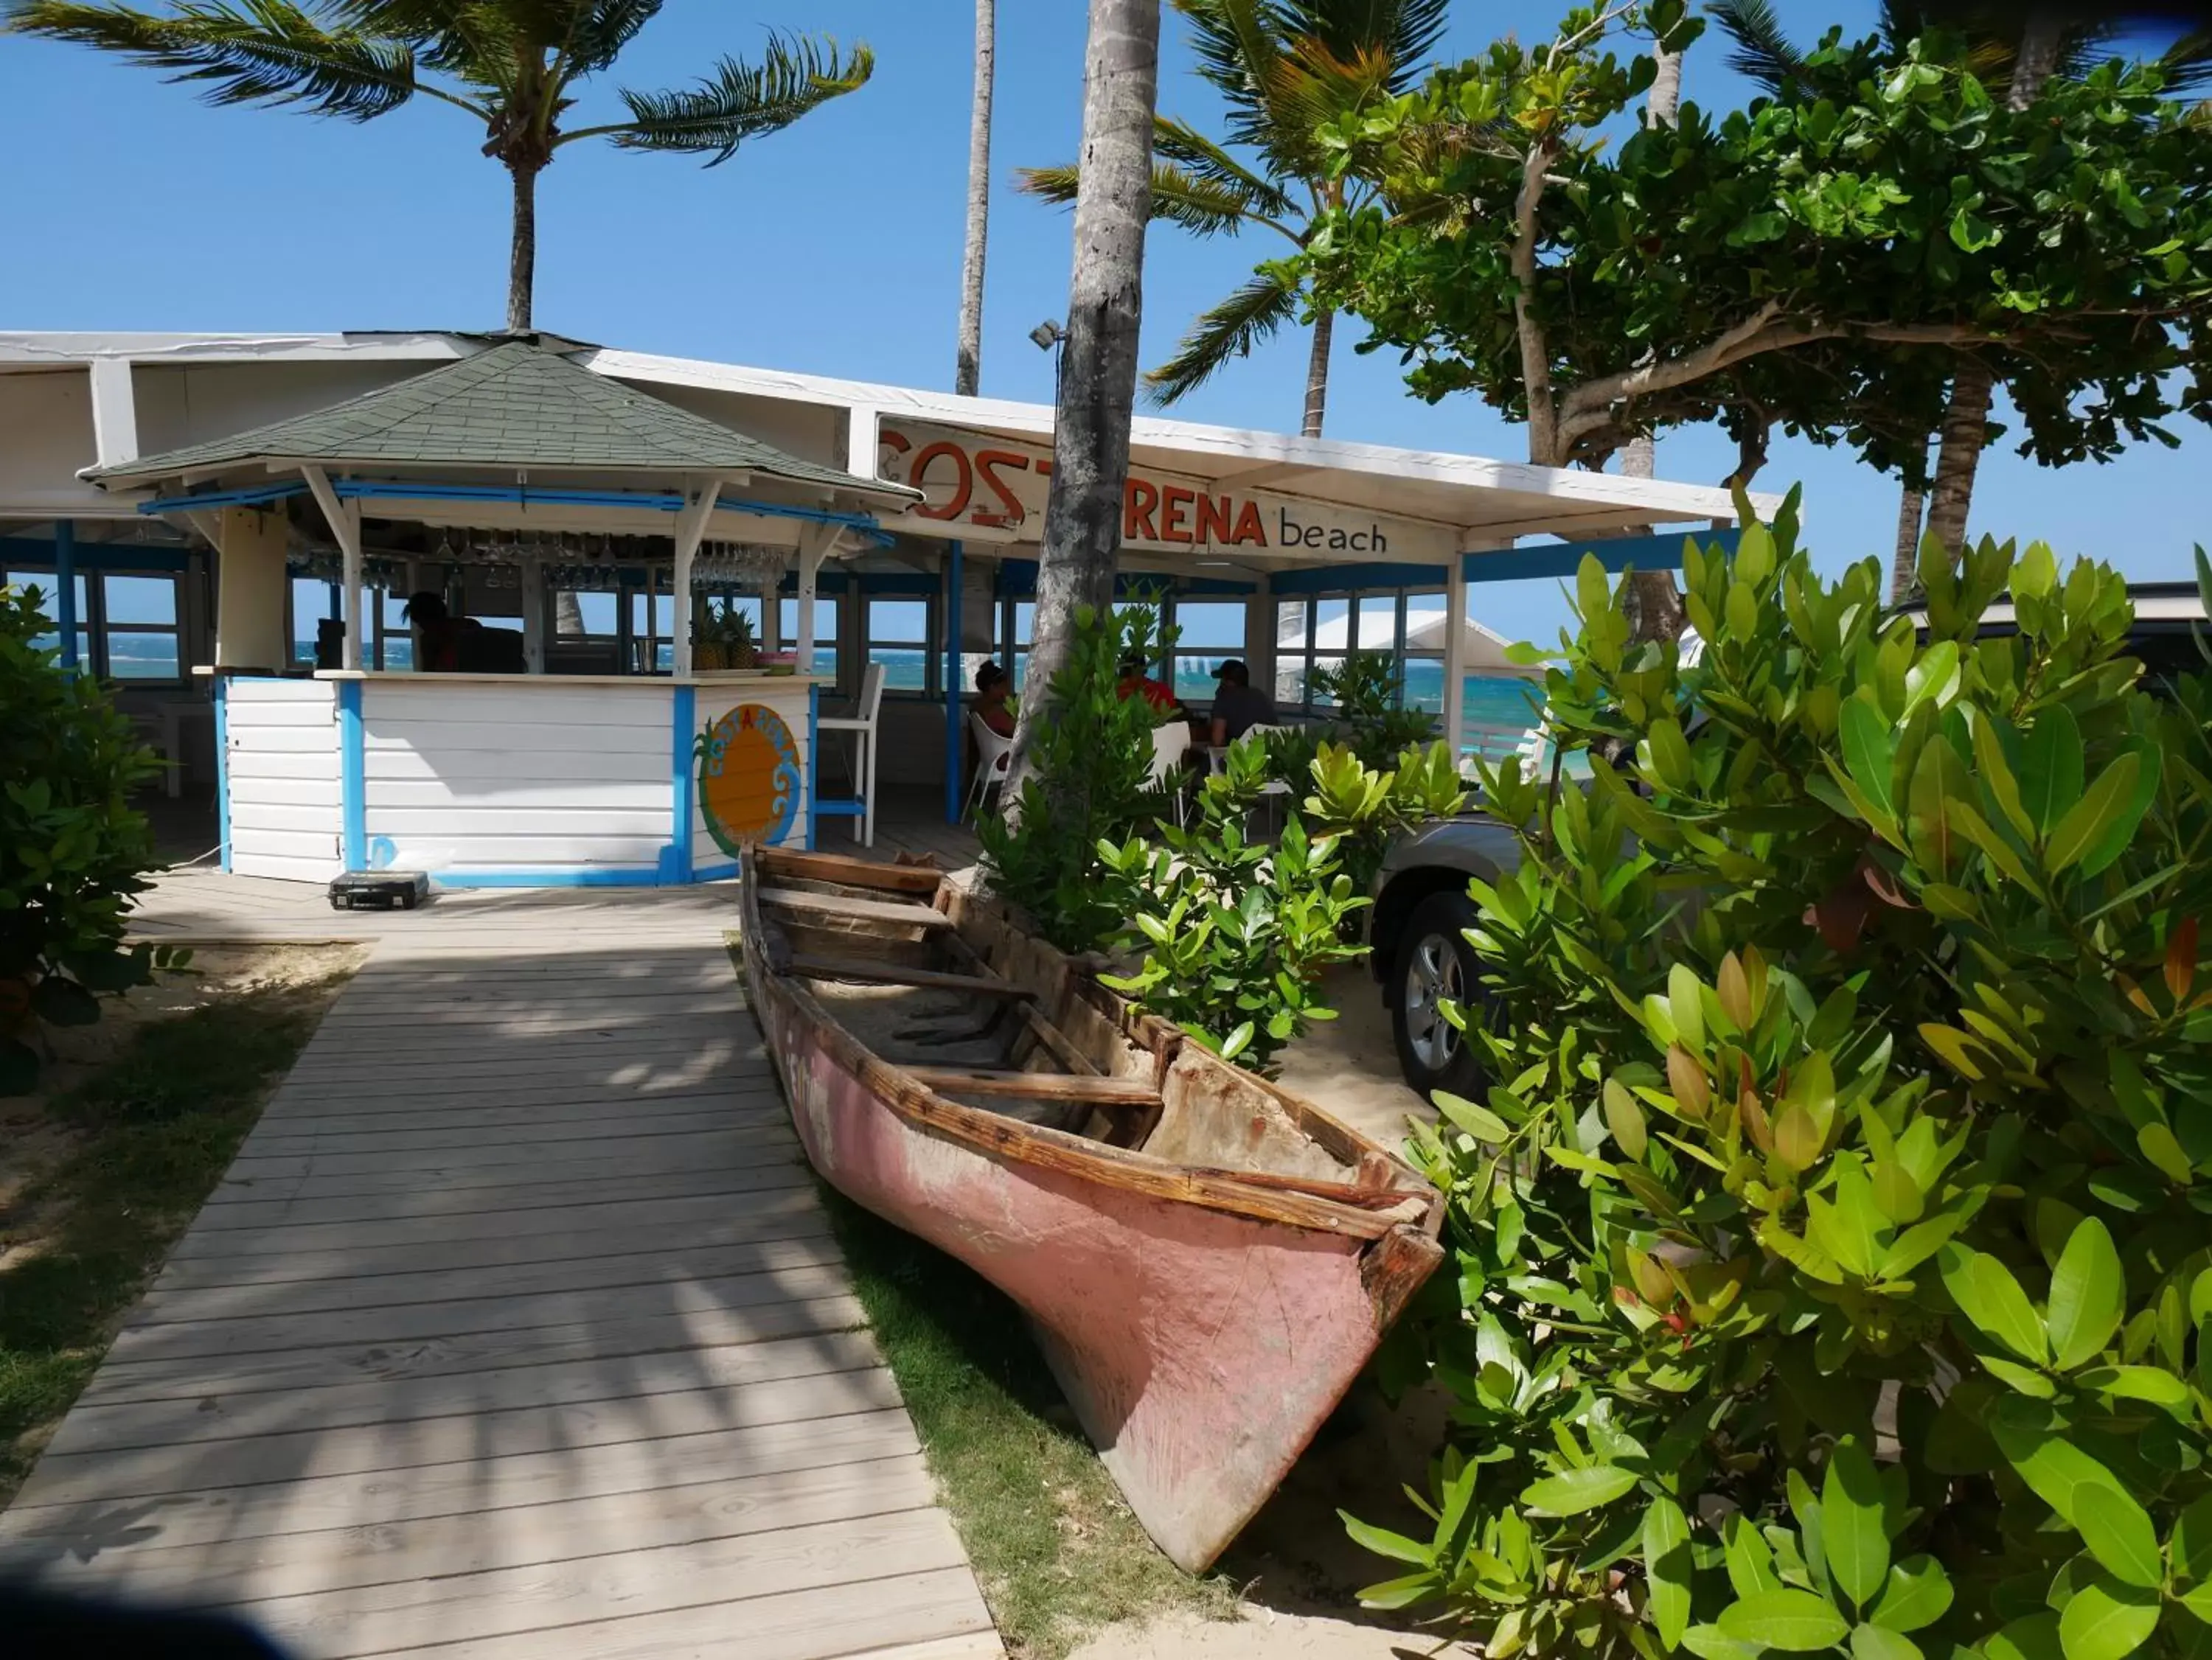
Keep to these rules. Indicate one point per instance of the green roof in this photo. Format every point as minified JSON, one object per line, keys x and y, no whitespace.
{"x":516,"y":405}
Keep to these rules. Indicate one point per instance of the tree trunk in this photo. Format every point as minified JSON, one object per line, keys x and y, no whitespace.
{"x":1099,"y":358}
{"x":967,"y":374}
{"x":1662,"y":104}
{"x":1905,"y":564}
{"x":1653,"y":602}
{"x":522,"y":256}
{"x":1965,"y":429}
{"x":1324,"y":330}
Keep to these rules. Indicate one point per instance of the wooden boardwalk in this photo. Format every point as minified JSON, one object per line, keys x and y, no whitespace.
{"x":515,"y":1332}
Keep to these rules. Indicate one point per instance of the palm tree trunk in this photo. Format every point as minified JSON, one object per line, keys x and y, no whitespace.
{"x":1904,"y":563}
{"x":522,"y":254}
{"x":967,"y":374}
{"x":1965,"y":429}
{"x":1098,"y":389}
{"x":1324,"y":331}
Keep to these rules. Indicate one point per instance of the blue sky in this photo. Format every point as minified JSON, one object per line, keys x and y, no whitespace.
{"x":832,"y":248}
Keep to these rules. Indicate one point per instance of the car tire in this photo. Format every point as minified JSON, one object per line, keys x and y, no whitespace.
{"x":1434,"y":960}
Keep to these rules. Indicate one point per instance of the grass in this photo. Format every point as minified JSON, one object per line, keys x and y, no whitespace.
{"x":1057,"y":1552}
{"x":154,"y":1130}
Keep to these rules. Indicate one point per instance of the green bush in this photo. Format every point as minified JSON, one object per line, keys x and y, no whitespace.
{"x":1834,"y":1263}
{"x":1089,"y":779}
{"x":72,"y":850}
{"x":1365,"y":688}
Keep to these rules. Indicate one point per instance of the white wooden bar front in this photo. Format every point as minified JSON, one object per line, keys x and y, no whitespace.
{"x":507,"y":780}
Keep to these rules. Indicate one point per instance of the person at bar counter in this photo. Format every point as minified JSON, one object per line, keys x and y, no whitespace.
{"x":438,"y":636}
{"x":1135,"y":683}
{"x":1239,"y":706}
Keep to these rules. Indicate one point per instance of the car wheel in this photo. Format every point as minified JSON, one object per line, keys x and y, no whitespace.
{"x":1435,"y":962}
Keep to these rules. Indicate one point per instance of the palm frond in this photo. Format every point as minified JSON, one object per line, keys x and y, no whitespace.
{"x":1200,"y":206}
{"x":602,"y":28}
{"x":1229,"y":330}
{"x":1237,"y":44}
{"x":256,"y":51}
{"x":1405,"y":31}
{"x":1183,"y":146}
{"x":1764,"y":53}
{"x":740,"y":100}
{"x":2187,"y":63}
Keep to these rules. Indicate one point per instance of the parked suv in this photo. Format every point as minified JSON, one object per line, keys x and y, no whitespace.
{"x":1417,"y":926}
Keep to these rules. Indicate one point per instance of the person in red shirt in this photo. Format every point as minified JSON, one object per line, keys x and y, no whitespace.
{"x":1135,"y":683}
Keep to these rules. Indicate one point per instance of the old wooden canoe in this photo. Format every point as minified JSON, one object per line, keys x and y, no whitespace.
{"x":1207,"y":1261}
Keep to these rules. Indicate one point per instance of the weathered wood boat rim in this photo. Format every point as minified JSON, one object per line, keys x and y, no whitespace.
{"x":1257,"y":1195}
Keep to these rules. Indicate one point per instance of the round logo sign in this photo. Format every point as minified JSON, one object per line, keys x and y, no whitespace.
{"x":748,"y":777}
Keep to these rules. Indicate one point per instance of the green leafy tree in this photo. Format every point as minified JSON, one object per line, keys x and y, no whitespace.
{"x":515,"y":65}
{"x":1834,"y":1265}
{"x":1794,"y":259}
{"x":1284,"y":69}
{"x":72,"y":848}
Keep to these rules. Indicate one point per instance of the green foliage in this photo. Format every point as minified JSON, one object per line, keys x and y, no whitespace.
{"x":1365,"y":688}
{"x":1834,"y":1268}
{"x":1815,"y":260}
{"x":1089,"y":781}
{"x":72,"y":850}
{"x":1234,"y":932}
{"x":1364,"y":809}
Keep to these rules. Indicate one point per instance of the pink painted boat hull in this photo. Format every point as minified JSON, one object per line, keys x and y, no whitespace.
{"x":1200,"y":1344}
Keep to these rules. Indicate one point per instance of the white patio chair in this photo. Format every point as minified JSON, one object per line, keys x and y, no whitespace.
{"x":861,"y":724}
{"x":1170,"y":744}
{"x":994,"y":756}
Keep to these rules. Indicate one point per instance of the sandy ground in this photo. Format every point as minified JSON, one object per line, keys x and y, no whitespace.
{"x":1349,"y":1065}
{"x":1261,"y":1634}
{"x":31,"y":1142}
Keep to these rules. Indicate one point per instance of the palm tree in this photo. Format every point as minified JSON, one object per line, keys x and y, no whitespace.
{"x":2021,"y":54}
{"x":968,"y":372}
{"x":515,"y":65}
{"x":1097,"y":391}
{"x":1285,"y":68}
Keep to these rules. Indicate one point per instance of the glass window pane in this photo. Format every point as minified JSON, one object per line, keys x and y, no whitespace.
{"x":142,"y":599}
{"x":1194,"y":678}
{"x":826,"y":623}
{"x":1424,"y":684}
{"x":49,"y":587}
{"x":1211,"y":626}
{"x":132,"y":656}
{"x":1017,"y":669}
{"x":905,"y":668}
{"x":903,"y":622}
{"x":1378,"y":622}
{"x":1025,"y":620}
{"x":1290,"y":623}
{"x":596,"y":611}
{"x":1332,"y":663}
{"x":1332,"y":629}
{"x":1290,"y":683}
{"x":1424,"y":622}
{"x":398,"y":650}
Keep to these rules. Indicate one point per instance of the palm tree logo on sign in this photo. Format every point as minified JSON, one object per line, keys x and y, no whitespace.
{"x":748,"y":777}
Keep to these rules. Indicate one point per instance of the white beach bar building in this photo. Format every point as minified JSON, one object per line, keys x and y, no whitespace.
{"x":230,"y":526}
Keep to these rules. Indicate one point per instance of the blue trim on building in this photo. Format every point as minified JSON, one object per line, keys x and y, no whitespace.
{"x":813,"y":760}
{"x":840,"y":809}
{"x":614,"y":876}
{"x":675,"y":858}
{"x":1016,"y":580}
{"x":1348,"y":579}
{"x":220,"y":694}
{"x":253,"y":496}
{"x":954,"y":604}
{"x":1616,"y":554}
{"x":724,"y":872}
{"x":353,"y":788}
{"x":65,"y":589}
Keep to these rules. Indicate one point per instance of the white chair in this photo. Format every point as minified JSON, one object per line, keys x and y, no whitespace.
{"x":861,"y":724}
{"x":1170,"y":744}
{"x":994,"y":756}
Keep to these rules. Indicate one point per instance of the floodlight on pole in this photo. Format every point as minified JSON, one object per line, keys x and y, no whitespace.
{"x":1048,"y":334}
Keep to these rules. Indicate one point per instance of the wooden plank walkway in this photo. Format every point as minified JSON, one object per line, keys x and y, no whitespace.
{"x":515,"y":1332}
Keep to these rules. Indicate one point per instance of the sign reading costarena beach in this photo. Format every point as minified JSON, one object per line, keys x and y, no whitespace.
{"x":994,"y":489}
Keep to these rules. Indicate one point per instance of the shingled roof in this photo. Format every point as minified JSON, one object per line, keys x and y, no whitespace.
{"x":516,"y":405}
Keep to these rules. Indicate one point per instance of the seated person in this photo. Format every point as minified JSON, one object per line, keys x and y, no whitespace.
{"x":992,"y":684}
{"x":1135,"y":683}
{"x":1238,"y":706}
{"x":438,"y":636}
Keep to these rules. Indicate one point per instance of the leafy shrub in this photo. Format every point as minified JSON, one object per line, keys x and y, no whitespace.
{"x":1364,"y":808}
{"x":1090,"y":767}
{"x":1235,"y":932}
{"x":72,"y":850}
{"x":1365,"y":688}
{"x":1834,"y":1267}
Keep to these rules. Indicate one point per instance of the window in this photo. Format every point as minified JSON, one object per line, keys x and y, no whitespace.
{"x":1422,"y":660}
{"x":49,"y":595}
{"x":898,"y":637}
{"x":310,"y":602}
{"x":1016,"y":618}
{"x":825,"y":632}
{"x":653,"y":627}
{"x":1316,"y":634}
{"x":1211,"y":629}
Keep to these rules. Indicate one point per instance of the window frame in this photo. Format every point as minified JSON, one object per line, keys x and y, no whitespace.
{"x":933,"y":668}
